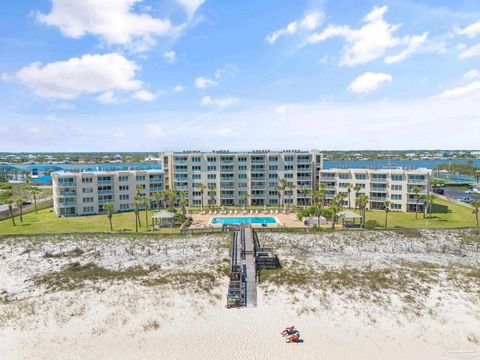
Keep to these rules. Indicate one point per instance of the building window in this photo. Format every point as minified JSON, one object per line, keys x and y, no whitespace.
{"x":211,"y":159}
{"x":242,"y":168}
{"x":123,"y":188}
{"x":124,"y":206}
{"x":396,"y":206}
{"x":211,"y":168}
{"x":88,"y":209}
{"x":361,"y":176}
{"x":273,"y":158}
{"x":88,"y":190}
{"x":272,"y":167}
{"x":396,"y":197}
{"x":123,"y":178}
{"x":211,"y":176}
{"x":273,"y":176}
{"x":196,"y":168}
{"x":196,"y":159}
{"x":288,"y":176}
{"x":140,"y":178}
{"x":397,"y":187}
{"x":87,"y":200}
{"x":397,"y":177}
{"x":196,"y":176}
{"x":88,"y":180}
{"x":242,"y":159}
{"x":242,"y":176}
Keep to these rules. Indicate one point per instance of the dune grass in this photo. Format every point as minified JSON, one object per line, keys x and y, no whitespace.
{"x":46,"y":222}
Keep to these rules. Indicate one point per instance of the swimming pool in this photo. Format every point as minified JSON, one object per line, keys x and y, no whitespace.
{"x":259,"y":220}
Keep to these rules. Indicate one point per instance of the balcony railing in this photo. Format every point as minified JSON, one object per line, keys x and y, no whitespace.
{"x":67,"y":184}
{"x":417,"y":181}
{"x":68,"y":193}
{"x":378,"y":198}
{"x":106,"y":192}
{"x":67,"y":203}
{"x":106,"y":201}
{"x":378,"y":180}
{"x":105,"y":182}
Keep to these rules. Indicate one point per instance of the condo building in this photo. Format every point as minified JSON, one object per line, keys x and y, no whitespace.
{"x":85,"y":193}
{"x":228,"y":176}
{"x":394,"y":185}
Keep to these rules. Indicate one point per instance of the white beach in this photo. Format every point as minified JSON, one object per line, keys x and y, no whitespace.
{"x":124,"y":319}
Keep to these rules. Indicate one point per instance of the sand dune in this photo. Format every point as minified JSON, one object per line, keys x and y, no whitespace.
{"x":169,"y":311}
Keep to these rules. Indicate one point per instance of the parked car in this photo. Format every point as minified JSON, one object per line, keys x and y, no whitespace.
{"x":26,"y":202}
{"x":439,"y":190}
{"x":465,"y":199}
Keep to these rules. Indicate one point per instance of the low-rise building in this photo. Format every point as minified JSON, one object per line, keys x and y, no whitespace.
{"x":380,"y":185}
{"x":86,"y":193}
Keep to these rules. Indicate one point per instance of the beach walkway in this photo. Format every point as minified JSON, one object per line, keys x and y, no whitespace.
{"x":242,"y":290}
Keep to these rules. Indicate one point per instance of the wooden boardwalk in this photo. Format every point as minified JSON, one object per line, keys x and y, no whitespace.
{"x":243,"y":270}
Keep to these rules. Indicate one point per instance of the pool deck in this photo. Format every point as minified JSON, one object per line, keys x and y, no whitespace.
{"x":288,"y":220}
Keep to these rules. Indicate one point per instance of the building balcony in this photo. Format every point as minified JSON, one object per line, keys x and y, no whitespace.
{"x":105,"y":182}
{"x":378,"y":189}
{"x":67,"y":204}
{"x":106,"y":201}
{"x":378,"y":198}
{"x":67,"y":193}
{"x":416,"y":181}
{"x":378,"y":181}
{"x":106,"y":192}
{"x":67,"y":184}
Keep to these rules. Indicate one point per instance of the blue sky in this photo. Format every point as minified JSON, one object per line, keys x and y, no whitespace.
{"x":131,"y":75}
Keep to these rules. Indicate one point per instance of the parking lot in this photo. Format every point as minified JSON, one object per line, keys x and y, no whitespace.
{"x":457,"y":193}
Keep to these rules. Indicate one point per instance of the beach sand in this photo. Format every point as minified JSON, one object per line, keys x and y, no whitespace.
{"x":122,"y":318}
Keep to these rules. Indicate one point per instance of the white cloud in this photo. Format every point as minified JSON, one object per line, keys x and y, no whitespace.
{"x":154,"y":131}
{"x":219,"y":102}
{"x":113,"y":21}
{"x":107,"y":98}
{"x":310,"y":22}
{"x":371,"y":41}
{"x":470,"y":90}
{"x":369,"y":82}
{"x":191,"y":6}
{"x":471,"y":75}
{"x":143,"y":95}
{"x":471,"y":30}
{"x":471,"y":51}
{"x":281,"y":109}
{"x":178,"y":88}
{"x":64,"y":106}
{"x":4,"y":77}
{"x":228,"y":69}
{"x":202,"y":82}
{"x":85,"y":75}
{"x":413,"y":43}
{"x":170,"y":56}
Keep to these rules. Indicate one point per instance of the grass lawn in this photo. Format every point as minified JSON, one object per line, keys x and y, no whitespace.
{"x":457,"y":216}
{"x":47,"y":222}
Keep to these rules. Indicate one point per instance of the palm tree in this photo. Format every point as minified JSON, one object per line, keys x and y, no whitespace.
{"x":19,"y":203}
{"x":170,"y":196}
{"x":10,"y":208}
{"x":202,"y":188}
{"x":362,"y":202}
{"x":244,"y":198}
{"x":349,"y":191}
{"x":357,"y":189}
{"x":136,"y":207}
{"x":319,"y":195}
{"x":157,"y":196}
{"x":35,"y":192}
{"x":290,"y":188}
{"x":335,"y":208}
{"x":282,"y":186}
{"x":304,"y":191}
{"x":212,"y":191}
{"x":476,"y":205}
{"x":278,"y":189}
{"x":416,"y":190}
{"x":340,"y":199}
{"x":184,"y":201}
{"x":109,"y":208}
{"x":138,"y":200}
{"x":386,"y":204}
{"x":146,"y":202}
{"x":430,"y":199}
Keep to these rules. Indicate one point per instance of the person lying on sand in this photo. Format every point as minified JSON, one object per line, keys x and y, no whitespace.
{"x":288,"y":331}
{"x":294,"y":337}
